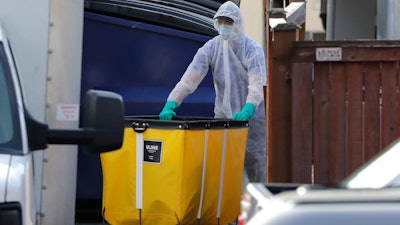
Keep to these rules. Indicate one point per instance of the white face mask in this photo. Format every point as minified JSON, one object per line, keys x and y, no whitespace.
{"x":225,"y":31}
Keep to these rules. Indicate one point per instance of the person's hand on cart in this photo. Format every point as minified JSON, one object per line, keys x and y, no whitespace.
{"x":168,"y":111}
{"x":247,"y":112}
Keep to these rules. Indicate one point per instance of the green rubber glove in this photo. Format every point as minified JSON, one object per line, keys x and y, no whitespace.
{"x":168,"y":111}
{"x":247,"y":112}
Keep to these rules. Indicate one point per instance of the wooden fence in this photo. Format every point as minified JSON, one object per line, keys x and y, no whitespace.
{"x":342,"y":102}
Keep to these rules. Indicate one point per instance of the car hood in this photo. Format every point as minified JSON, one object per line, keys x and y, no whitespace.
{"x":330,"y":207}
{"x":306,"y":195}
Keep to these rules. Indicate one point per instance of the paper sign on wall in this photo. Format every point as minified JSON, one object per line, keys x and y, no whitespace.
{"x":67,"y":112}
{"x":328,"y":54}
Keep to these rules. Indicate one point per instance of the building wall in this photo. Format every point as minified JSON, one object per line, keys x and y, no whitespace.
{"x":253,"y":14}
{"x":313,"y":21}
{"x":351,"y":19}
{"x":388,"y":17}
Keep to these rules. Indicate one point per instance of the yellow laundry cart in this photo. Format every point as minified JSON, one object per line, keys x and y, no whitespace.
{"x":183,"y":171}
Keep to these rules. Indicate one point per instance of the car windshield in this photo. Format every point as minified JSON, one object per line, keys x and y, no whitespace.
{"x":381,"y":172}
{"x":10,"y":140}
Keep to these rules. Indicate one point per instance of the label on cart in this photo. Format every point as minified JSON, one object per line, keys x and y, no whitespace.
{"x":152,"y":151}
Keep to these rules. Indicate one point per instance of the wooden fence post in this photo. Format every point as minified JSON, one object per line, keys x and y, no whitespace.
{"x":279,"y":114}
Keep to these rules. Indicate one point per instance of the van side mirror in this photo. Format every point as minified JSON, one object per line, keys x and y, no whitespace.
{"x":104,"y":117}
{"x":102,"y":125}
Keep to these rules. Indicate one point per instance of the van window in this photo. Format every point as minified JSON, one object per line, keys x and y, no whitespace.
{"x":6,"y":128}
{"x":10,"y":141}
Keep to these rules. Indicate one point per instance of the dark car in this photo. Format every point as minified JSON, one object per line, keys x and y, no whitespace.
{"x":371,"y":195}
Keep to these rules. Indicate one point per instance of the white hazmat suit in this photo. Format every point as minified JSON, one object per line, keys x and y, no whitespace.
{"x":238,"y":67}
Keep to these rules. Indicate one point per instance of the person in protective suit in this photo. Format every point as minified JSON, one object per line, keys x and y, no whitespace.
{"x":238,"y":67}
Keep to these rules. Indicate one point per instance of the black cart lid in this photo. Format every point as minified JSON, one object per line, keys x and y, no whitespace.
{"x":141,"y":123}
